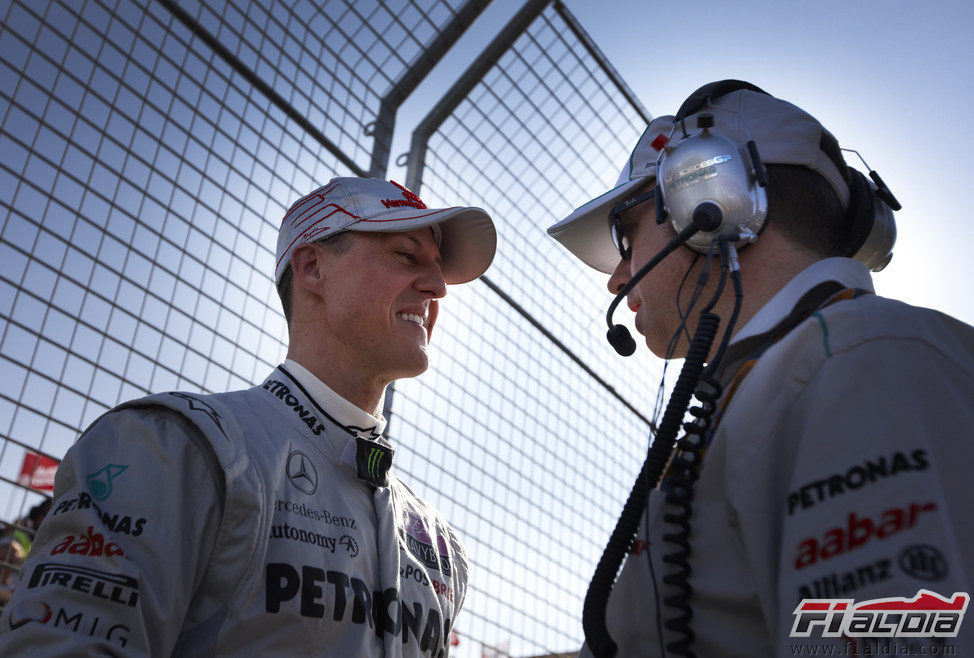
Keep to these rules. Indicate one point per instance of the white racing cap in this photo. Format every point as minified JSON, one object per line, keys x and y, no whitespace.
{"x":783,"y":133}
{"x":466,"y":236}
{"x":587,"y":231}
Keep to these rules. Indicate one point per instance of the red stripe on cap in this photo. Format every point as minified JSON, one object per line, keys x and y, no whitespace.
{"x":310,"y":232}
{"x":659,"y":142}
{"x":815,"y":606}
{"x":319,"y":194}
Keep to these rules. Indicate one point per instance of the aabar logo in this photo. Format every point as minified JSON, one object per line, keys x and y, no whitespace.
{"x":859,"y":531}
{"x":927,"y":614}
{"x":302,"y":473}
{"x":411,"y":199}
{"x":92,"y":544}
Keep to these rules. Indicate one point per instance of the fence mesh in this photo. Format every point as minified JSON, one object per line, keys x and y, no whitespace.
{"x":142,"y":180}
{"x":542,"y":132}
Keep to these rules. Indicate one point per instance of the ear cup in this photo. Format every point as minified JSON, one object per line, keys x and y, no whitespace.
{"x":708,"y":180}
{"x":872,"y":229}
{"x":861,"y":212}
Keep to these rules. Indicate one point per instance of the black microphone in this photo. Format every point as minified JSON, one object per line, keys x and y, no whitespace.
{"x":618,"y":336}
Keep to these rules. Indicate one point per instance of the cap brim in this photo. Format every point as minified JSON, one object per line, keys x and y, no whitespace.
{"x":468,"y":238}
{"x":586,"y":231}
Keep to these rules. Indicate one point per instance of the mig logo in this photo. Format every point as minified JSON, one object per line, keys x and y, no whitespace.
{"x":927,"y":614}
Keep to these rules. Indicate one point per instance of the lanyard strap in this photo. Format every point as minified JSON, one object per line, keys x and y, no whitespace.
{"x":748,"y":351}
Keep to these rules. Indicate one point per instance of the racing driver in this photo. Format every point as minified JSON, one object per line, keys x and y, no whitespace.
{"x":269,"y":521}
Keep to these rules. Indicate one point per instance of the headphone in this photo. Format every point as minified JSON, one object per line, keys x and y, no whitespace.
{"x":717,"y":184}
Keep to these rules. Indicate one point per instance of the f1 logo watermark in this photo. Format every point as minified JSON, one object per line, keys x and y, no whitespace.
{"x":927,"y":614}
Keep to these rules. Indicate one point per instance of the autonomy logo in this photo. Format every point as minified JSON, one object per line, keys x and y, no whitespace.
{"x":100,"y":482}
{"x":350,"y":544}
{"x":302,"y":473}
{"x":925,"y":615}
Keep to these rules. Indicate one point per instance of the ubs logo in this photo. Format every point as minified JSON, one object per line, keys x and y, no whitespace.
{"x":924,"y":562}
{"x":302,"y":473}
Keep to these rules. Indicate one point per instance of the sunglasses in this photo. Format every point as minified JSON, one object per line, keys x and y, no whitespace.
{"x":619,"y":238}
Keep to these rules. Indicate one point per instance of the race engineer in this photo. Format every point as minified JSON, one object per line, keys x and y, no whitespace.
{"x":816,"y":497}
{"x":269,"y":521}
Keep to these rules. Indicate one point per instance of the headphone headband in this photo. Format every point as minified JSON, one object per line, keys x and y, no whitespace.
{"x":711,"y":92}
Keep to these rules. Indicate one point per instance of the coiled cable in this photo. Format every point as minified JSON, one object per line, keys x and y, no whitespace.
{"x":597,"y":597}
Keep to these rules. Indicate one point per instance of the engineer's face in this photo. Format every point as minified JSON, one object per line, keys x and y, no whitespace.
{"x":654,"y":298}
{"x":381,"y":300}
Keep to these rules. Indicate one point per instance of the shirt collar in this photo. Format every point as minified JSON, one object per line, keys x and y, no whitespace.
{"x":357,"y":421}
{"x":850,"y":273}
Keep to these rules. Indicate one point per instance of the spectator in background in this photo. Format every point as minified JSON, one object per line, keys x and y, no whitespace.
{"x":15,"y":543}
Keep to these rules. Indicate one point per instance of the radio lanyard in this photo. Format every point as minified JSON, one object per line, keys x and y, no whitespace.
{"x":741,"y":357}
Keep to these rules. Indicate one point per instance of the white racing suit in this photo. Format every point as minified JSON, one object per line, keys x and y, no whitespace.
{"x":239,"y":524}
{"x":840,"y":469}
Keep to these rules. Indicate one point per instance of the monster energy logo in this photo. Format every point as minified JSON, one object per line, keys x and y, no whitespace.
{"x":375,"y":460}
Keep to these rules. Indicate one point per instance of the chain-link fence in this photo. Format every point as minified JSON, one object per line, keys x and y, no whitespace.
{"x":148,"y":150}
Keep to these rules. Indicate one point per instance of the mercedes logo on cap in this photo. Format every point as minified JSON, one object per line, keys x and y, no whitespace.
{"x":302,"y":473}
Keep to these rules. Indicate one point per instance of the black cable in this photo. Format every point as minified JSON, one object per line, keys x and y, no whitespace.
{"x":685,"y":469}
{"x":673,"y":244}
{"x":701,"y":282}
{"x":658,"y":404}
{"x":735,"y":274}
{"x":597,"y":597}
{"x":683,"y":474}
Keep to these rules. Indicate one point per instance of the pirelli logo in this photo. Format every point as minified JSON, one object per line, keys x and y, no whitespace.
{"x":113,"y":587}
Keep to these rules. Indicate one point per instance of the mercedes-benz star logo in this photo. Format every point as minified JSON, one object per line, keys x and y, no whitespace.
{"x":301,"y":472}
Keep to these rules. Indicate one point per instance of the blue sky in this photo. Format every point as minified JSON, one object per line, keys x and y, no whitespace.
{"x":889,"y":78}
